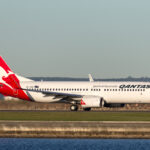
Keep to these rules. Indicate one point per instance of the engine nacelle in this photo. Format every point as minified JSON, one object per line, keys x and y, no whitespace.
{"x":91,"y":101}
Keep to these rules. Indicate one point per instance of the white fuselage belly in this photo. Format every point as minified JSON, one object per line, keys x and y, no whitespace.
{"x":110,"y":91}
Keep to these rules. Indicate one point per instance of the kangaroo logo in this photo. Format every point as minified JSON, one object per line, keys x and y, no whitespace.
{"x":4,"y":76}
{"x":11,"y":82}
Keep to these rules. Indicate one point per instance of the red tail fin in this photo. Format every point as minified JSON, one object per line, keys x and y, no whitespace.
{"x":9,"y":83}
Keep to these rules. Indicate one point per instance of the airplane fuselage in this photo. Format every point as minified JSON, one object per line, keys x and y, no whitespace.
{"x":112,"y":92}
{"x":87,"y":94}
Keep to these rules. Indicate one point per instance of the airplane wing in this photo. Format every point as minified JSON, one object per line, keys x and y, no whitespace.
{"x":56,"y":94}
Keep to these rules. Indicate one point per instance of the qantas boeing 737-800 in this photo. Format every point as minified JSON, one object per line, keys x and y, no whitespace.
{"x":87,"y":94}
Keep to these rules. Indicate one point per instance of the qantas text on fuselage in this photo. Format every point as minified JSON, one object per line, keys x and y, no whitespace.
{"x":134,"y":86}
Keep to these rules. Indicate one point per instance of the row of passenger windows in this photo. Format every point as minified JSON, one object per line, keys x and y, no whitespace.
{"x":53,"y":89}
{"x":69,"y":89}
{"x":124,"y":89}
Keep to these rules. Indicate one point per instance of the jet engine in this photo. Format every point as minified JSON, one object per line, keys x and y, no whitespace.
{"x":92,"y":101}
{"x":96,"y":101}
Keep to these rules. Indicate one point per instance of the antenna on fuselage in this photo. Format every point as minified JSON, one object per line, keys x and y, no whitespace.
{"x":90,"y":78}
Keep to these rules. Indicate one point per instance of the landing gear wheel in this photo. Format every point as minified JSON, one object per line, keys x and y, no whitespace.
{"x":74,"y":107}
{"x":87,"y":109}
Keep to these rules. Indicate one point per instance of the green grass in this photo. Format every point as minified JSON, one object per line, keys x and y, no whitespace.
{"x":76,"y":116}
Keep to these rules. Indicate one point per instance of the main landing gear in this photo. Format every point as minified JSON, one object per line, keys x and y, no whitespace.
{"x":87,"y":109}
{"x":74,"y":107}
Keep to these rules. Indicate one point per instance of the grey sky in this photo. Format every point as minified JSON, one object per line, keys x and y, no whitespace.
{"x":108,"y":38}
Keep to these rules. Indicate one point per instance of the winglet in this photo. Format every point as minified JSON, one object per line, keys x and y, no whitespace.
{"x":91,"y":78}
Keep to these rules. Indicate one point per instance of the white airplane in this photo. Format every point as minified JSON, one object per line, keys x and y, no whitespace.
{"x":87,"y":94}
